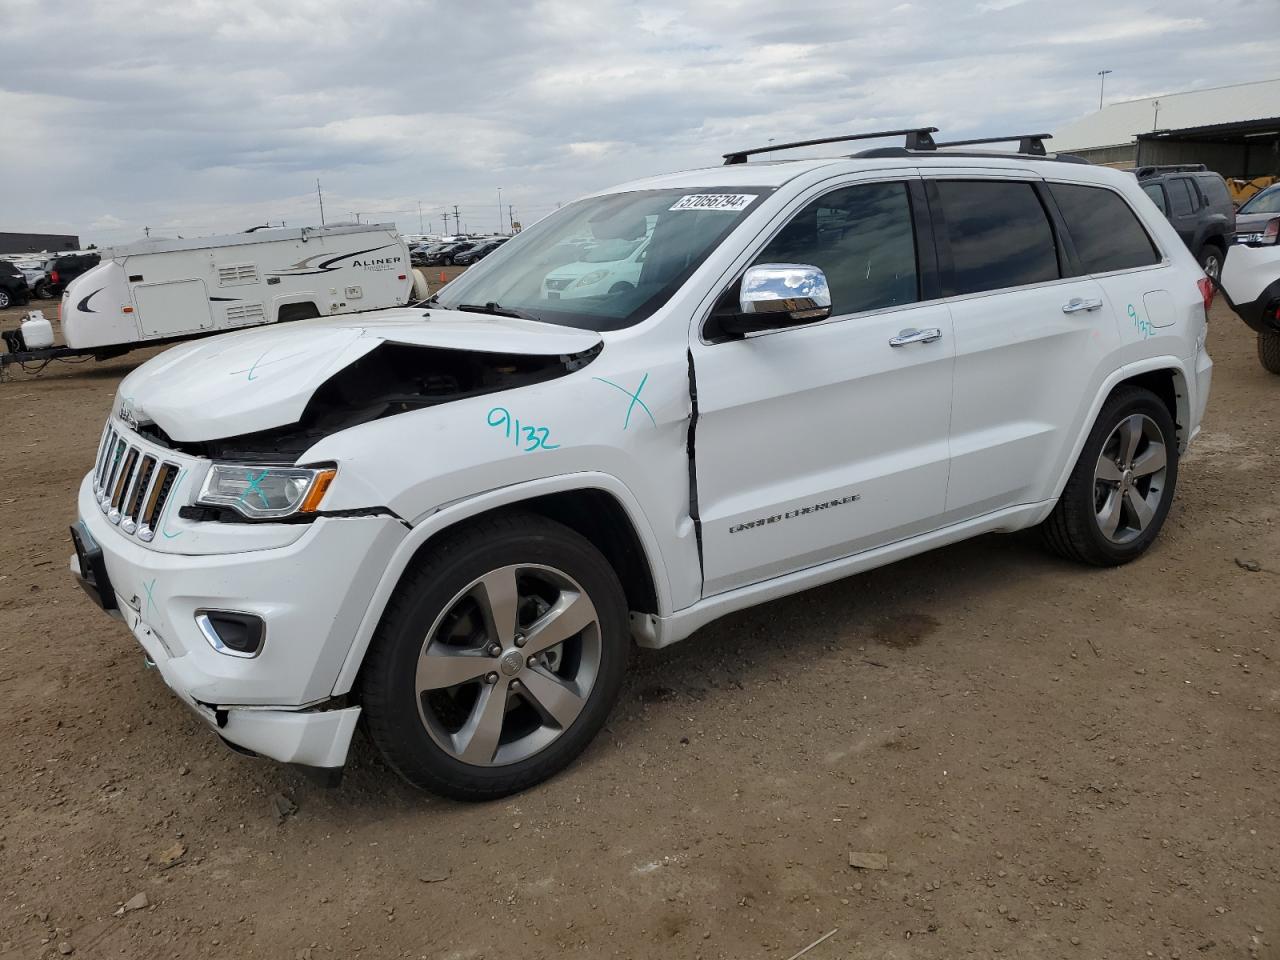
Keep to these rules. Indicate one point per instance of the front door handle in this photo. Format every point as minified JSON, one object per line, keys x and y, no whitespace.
{"x":912,"y":335}
{"x":1076,"y":304}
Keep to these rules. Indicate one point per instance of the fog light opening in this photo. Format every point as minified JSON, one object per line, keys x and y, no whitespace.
{"x":232,"y":633}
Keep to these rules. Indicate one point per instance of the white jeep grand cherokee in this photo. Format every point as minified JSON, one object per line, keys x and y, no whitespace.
{"x":451,"y":520}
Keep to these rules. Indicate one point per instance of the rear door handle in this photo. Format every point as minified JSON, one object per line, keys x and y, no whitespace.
{"x":912,"y":335}
{"x":1076,"y":304}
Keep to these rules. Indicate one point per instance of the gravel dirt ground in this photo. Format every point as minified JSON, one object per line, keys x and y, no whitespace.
{"x":1030,"y":758}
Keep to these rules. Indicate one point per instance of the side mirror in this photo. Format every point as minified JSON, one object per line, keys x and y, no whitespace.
{"x":776,"y":295}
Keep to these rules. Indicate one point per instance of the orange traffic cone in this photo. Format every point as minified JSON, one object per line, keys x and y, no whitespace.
{"x":442,"y":280}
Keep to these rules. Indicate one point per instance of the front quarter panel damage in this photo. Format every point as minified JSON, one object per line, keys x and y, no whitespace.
{"x":626,"y":419}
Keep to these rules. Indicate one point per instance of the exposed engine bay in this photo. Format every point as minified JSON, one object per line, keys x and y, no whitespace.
{"x":391,"y":379}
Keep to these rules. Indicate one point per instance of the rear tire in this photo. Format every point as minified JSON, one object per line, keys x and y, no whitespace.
{"x":6,"y":300}
{"x":43,"y":290}
{"x":1120,"y":490}
{"x":450,"y":696}
{"x":1211,"y":258}
{"x":1269,"y":350}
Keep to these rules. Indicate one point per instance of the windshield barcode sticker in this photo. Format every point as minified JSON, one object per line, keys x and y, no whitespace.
{"x":732,"y":202}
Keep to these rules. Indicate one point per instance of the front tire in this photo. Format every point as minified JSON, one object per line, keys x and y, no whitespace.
{"x":43,"y":290}
{"x":1269,"y":350}
{"x":498,"y":658}
{"x":6,"y":300}
{"x":1120,"y":490}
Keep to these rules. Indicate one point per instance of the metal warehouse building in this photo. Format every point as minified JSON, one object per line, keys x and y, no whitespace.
{"x":37,"y":242}
{"x":1234,"y":130}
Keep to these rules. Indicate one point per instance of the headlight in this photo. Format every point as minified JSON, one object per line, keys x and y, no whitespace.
{"x":595,"y":276}
{"x":265,"y":492}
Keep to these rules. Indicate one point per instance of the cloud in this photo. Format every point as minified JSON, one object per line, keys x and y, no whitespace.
{"x":213,"y":115}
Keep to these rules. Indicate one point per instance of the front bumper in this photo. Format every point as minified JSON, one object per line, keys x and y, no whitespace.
{"x":312,"y":595}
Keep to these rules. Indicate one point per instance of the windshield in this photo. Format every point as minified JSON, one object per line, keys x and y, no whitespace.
{"x":607,"y":262}
{"x":1268,"y":201}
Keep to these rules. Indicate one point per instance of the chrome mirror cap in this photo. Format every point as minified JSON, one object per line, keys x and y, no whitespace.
{"x":795,"y":289}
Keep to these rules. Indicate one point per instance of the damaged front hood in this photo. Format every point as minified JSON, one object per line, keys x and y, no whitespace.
{"x":255,"y":380}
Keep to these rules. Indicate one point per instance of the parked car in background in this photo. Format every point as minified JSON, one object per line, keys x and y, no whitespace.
{"x":1251,"y":284}
{"x":13,"y":286}
{"x":1256,"y":212}
{"x":418,"y":256}
{"x":445,"y":254}
{"x":61,"y":270}
{"x":33,"y":270}
{"x":1198,"y":204}
{"x":478,"y":252}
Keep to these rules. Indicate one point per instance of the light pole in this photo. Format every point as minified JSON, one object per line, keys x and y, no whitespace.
{"x":1102,"y":85}
{"x":500,"y":210}
{"x":421,"y":228}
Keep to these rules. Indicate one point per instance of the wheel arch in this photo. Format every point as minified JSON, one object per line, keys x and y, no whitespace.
{"x":295,"y":304}
{"x":1166,"y":377}
{"x":597,"y":506}
{"x":1215,"y":238}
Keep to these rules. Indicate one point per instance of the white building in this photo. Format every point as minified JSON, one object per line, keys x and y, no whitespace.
{"x":1233,"y":129}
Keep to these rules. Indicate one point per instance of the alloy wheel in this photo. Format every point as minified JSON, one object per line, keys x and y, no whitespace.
{"x":508,"y":665}
{"x":1129,"y":479}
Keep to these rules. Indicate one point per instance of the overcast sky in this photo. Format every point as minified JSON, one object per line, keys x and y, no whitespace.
{"x":213,"y":115}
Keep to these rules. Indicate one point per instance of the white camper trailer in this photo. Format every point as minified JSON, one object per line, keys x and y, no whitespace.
{"x":163,"y":290}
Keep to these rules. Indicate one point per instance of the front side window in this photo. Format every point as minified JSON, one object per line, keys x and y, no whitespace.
{"x":1106,"y":234}
{"x":862,"y":238}
{"x":582,"y":266}
{"x":999,"y":235}
{"x":1156,"y":193}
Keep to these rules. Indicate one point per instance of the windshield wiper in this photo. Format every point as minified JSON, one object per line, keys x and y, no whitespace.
{"x":493,"y":308}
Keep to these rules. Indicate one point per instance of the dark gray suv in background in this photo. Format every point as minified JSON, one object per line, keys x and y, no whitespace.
{"x":1196,"y":201}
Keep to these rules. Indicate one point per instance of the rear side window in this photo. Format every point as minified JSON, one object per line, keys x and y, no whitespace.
{"x":1215,"y":189}
{"x":999,"y":235}
{"x":861,"y":237}
{"x":1181,"y":198}
{"x":1156,"y":193}
{"x":1106,"y":233}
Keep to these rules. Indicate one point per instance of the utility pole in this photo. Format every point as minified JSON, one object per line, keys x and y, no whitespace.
{"x":456,"y":220}
{"x":320,"y":194}
{"x":1155,"y":121}
{"x":421,"y":228}
{"x":511,"y":216}
{"x":1102,"y":85}
{"x":147,"y":231}
{"x":500,"y":210}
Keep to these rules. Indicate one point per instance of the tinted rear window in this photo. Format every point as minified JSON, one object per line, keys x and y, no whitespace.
{"x":1214,"y":188}
{"x":1106,"y":233}
{"x":999,"y":235}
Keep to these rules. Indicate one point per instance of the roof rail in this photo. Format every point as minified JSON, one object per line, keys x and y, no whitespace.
{"x":1028,"y":143}
{"x":1155,"y":171}
{"x":918,"y":138}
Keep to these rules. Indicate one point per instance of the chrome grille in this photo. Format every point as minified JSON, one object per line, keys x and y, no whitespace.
{"x":131,"y":486}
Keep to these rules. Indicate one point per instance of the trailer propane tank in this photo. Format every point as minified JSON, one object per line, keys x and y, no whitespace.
{"x":37,"y":332}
